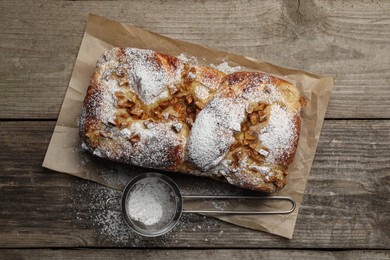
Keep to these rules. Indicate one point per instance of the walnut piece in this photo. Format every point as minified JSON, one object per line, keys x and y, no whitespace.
{"x":149,"y":124}
{"x":134,"y":139}
{"x":260,"y":107}
{"x":136,"y":111}
{"x":179,"y":107}
{"x":249,"y":135}
{"x":189,"y":99}
{"x":123,"y":81}
{"x":254,"y":155}
{"x":157,"y":111}
{"x":164,"y":104}
{"x":263,"y":151}
{"x":253,"y":118}
{"x":177,"y":127}
{"x":238,"y":154}
{"x":234,"y":166}
{"x":173,"y":90}
{"x":199,"y":104}
{"x":119,"y":94}
{"x":262,"y":116}
{"x":128,"y":104}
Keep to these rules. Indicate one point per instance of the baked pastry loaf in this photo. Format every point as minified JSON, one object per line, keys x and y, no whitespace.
{"x":153,"y":110}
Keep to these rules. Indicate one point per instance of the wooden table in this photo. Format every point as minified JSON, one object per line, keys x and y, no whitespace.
{"x":346,"y":206}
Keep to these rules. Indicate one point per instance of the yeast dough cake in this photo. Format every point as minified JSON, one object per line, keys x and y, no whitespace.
{"x":152,"y":110}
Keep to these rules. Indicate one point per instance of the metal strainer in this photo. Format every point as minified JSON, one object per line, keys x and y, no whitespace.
{"x":152,"y":204}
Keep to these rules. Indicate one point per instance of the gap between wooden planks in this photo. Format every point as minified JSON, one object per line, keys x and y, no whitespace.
{"x":349,"y":40}
{"x":345,"y":204}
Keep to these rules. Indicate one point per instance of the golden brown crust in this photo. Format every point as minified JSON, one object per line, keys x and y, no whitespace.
{"x":154,"y":110}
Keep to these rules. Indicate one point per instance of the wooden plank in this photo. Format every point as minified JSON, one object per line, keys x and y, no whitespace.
{"x":345,"y":203}
{"x":348,"y":39}
{"x":216,"y":254}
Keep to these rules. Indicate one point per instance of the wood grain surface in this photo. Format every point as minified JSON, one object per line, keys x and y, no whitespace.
{"x":345,"y":212}
{"x":349,"y":40}
{"x":217,"y":254}
{"x":345,"y":204}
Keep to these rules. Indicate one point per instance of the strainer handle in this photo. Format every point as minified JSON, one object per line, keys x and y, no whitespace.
{"x":242,"y":212}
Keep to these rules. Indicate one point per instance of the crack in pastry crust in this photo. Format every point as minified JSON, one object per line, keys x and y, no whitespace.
{"x":153,"y":110}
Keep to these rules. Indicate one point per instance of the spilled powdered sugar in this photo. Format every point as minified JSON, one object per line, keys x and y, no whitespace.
{"x":188,"y":59}
{"x":147,"y":77}
{"x":88,"y":213}
{"x":224,"y":67}
{"x":278,"y":135}
{"x":88,"y":205}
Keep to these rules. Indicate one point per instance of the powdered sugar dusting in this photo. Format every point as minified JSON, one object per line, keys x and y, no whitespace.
{"x":230,"y":112}
{"x":212,"y":133}
{"x":278,"y":135}
{"x":109,"y":100}
{"x":147,"y":77}
{"x":263,"y":92}
{"x":156,"y":145}
{"x":208,"y":142}
{"x":222,"y":168}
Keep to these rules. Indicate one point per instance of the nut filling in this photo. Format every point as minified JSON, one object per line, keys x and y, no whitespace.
{"x":181,"y":107}
{"x":247,"y":145}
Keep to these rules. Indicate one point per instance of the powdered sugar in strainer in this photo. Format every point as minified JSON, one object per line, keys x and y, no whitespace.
{"x":152,"y":204}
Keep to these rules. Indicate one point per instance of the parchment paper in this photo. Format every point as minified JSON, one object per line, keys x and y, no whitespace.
{"x":101,"y":34}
